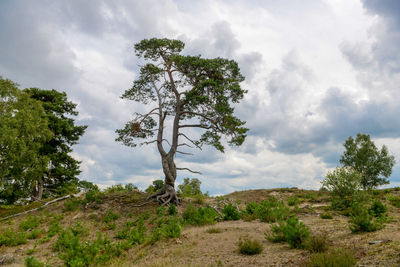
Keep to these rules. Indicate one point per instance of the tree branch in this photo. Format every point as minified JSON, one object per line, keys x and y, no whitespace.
{"x":190,"y":140}
{"x":187,"y":169}
{"x":195,"y":125}
{"x":184,"y":153}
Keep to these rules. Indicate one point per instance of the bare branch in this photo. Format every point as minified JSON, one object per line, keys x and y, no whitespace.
{"x":184,"y":153}
{"x":190,"y":140}
{"x":195,"y":125}
{"x":187,"y":169}
{"x":185,"y":144}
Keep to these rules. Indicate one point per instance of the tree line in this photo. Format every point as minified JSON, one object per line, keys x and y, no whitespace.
{"x":37,"y":132}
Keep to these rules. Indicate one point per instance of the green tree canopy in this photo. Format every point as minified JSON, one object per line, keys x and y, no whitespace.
{"x":23,"y":131}
{"x":63,"y":169}
{"x":184,"y":92}
{"x":374,"y":165}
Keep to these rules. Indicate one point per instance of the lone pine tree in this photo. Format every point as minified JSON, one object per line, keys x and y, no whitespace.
{"x":185,"y":92}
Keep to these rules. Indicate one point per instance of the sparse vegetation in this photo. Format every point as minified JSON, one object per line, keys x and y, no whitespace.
{"x":317,"y":243}
{"x":214,"y":230}
{"x":10,"y":238}
{"x":326,"y":215}
{"x":335,"y":257}
{"x":248,"y":246}
{"x":33,"y":262}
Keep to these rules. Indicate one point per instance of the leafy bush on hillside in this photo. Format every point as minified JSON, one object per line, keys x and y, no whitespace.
{"x":230,"y":213}
{"x":361,"y":219}
{"x":10,"y":238}
{"x":248,"y":246}
{"x":294,"y":232}
{"x":200,"y":215}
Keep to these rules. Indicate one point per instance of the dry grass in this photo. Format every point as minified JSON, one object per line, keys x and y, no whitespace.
{"x":197,"y":247}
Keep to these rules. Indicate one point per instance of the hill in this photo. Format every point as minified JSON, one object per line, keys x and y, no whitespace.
{"x":109,"y":229}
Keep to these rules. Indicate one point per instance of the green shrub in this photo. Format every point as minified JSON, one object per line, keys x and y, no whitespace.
{"x":332,"y":258}
{"x":294,"y":232}
{"x":94,"y":196}
{"x":326,"y":215}
{"x":71,"y":205}
{"x":249,"y":247}
{"x":317,"y":243}
{"x":200,"y":215}
{"x":172,"y":210}
{"x":34,"y":234}
{"x":344,"y":184}
{"x":31,"y":222}
{"x":362,"y":221}
{"x":377,"y":209}
{"x":272,"y":210}
{"x":293,"y":201}
{"x":230,"y":213}
{"x":33,"y":262}
{"x":394,"y":200}
{"x":75,"y":252}
{"x":110,"y":216}
{"x":251,"y":208}
{"x":54,"y":228}
{"x":134,"y":236}
{"x":10,"y":238}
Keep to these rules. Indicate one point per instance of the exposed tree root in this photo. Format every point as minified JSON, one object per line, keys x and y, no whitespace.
{"x":166,"y":196}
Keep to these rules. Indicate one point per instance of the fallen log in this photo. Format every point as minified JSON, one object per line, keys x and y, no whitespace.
{"x":46,"y":204}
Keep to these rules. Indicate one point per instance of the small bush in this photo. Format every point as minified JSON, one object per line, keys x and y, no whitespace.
{"x":377,"y":209}
{"x":169,"y":228}
{"x":230,"y":213}
{"x":74,"y":252}
{"x":337,"y":257}
{"x":31,"y":222}
{"x":71,"y":205}
{"x":200,"y":215}
{"x":134,"y":236}
{"x":317,"y":243}
{"x":249,"y":247}
{"x":54,"y":228}
{"x":110,"y":216}
{"x":214,"y":230}
{"x":33,"y":262}
{"x":294,"y":232}
{"x":34,"y":234}
{"x":94,"y":196}
{"x":362,"y":221}
{"x":326,"y":215}
{"x":272,"y":210}
{"x":293,"y":201}
{"x":11,"y":238}
{"x":172,"y":210}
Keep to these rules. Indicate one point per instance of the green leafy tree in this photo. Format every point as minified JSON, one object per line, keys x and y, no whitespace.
{"x":190,"y":187}
{"x":63,"y":169}
{"x":344,"y":183}
{"x":23,"y":131}
{"x":185,"y":92}
{"x":374,"y":165}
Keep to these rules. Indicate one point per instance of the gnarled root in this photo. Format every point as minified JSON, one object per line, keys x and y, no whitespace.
{"x":166,"y":196}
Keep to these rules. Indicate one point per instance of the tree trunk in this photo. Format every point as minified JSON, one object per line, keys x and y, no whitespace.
{"x":167,"y":193}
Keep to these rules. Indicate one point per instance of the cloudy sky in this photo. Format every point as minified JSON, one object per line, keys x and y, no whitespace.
{"x":316,"y":73}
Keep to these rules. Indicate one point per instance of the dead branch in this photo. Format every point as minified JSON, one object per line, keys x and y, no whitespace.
{"x":187,"y":169}
{"x":46,"y":204}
